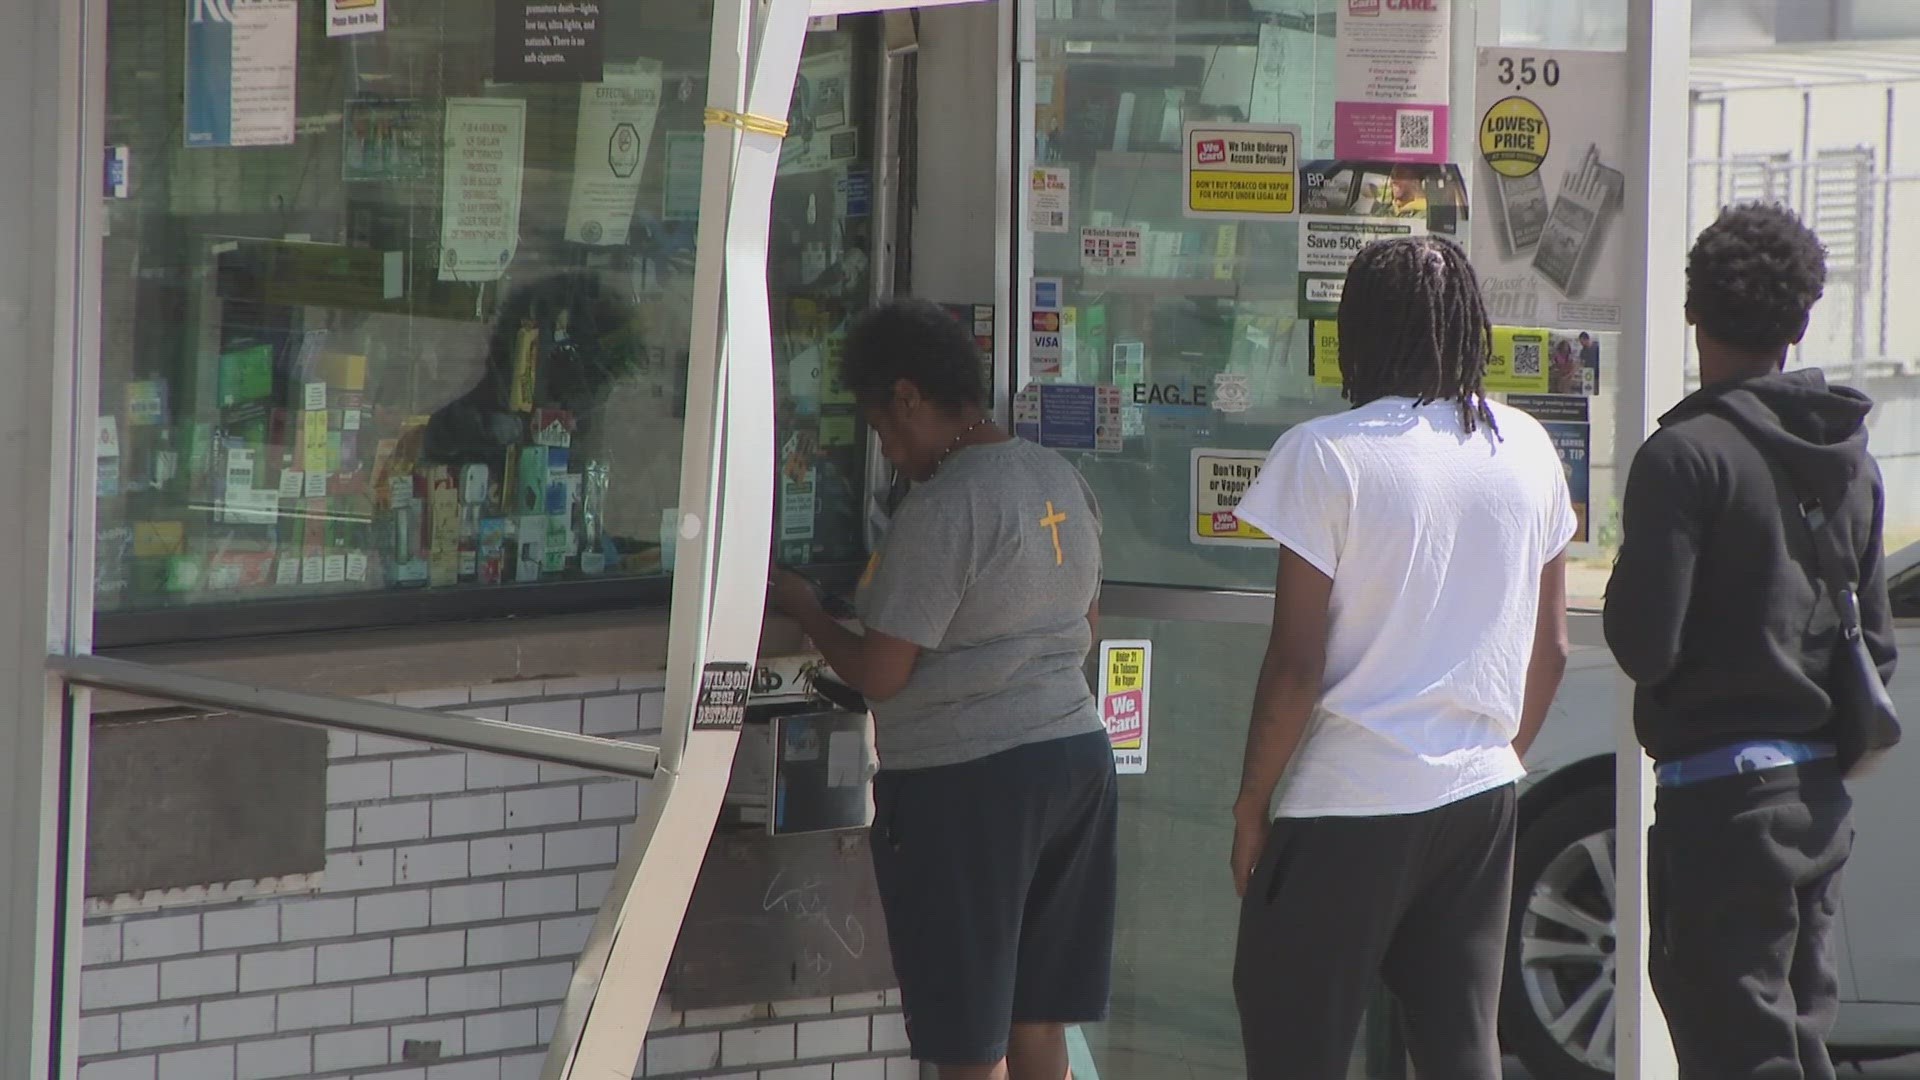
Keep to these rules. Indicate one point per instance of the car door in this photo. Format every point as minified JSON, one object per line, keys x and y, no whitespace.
{"x":1883,"y":878}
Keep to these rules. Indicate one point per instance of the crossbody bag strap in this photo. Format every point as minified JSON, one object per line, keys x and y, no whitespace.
{"x":1830,"y":562}
{"x":1842,"y":591}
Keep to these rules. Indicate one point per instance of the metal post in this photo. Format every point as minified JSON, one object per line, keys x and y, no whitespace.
{"x":727,"y":505}
{"x":1019,"y":75}
{"x":1652,"y":378}
{"x":47,"y":322}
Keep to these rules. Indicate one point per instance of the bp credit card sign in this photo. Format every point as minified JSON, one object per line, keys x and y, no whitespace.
{"x":1125,"y":691}
{"x":1241,"y":171}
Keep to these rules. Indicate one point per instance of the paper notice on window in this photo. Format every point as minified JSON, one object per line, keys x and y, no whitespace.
{"x":242,"y":70}
{"x":1220,"y":479}
{"x":1568,"y":424}
{"x":846,"y":759}
{"x":1108,"y":249}
{"x":1049,"y":200}
{"x":1241,"y":171}
{"x":348,"y":17}
{"x":820,"y":129}
{"x":480,"y":207}
{"x":611,"y":141}
{"x":1390,"y":80}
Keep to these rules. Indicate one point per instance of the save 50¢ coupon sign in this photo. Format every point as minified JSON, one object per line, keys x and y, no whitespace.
{"x":1125,"y":685}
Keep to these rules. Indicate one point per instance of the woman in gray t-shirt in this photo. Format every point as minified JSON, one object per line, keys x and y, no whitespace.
{"x":994,"y":828}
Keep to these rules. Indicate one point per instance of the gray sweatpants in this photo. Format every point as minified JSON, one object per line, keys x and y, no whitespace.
{"x":1339,"y":905}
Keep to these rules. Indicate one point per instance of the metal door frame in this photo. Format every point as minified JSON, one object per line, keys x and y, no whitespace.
{"x":50,"y":312}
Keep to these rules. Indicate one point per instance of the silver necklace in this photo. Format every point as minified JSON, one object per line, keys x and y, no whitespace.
{"x":958,"y":439}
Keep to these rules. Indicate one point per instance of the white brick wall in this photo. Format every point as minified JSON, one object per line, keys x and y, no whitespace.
{"x":458,"y":890}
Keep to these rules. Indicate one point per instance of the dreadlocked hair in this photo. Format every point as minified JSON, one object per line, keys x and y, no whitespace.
{"x":1413,"y":324}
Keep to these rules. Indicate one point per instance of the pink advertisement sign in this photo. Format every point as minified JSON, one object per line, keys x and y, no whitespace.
{"x":1391,"y":80}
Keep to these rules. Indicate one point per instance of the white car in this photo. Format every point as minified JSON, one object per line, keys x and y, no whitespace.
{"x":1557,"y":1009}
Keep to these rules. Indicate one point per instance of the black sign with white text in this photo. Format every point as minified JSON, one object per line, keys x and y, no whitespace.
{"x":549,"y":41}
{"x":722,"y":705}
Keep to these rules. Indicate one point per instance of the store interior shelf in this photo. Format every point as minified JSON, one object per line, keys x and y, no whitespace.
{"x":1128,"y":285}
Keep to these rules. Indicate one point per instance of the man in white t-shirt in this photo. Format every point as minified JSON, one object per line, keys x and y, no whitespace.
{"x":1419,"y":635}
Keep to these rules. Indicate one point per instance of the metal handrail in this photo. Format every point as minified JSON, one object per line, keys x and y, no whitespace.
{"x":356,"y":714}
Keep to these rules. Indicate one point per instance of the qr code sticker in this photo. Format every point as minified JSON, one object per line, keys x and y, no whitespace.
{"x":1413,"y":131}
{"x":1526,"y":359}
{"x":1053,"y":219}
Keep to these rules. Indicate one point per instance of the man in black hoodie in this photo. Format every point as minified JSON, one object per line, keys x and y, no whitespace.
{"x":1715,"y":613}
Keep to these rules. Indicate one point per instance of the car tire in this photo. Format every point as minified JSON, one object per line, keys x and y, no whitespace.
{"x":1560,"y":941}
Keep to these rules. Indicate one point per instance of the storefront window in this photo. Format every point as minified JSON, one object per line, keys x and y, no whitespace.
{"x":405,"y":303}
{"x":1188,"y":344}
{"x":1199,"y":299}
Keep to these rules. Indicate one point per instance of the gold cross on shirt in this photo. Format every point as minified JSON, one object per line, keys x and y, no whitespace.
{"x":1053,"y":521}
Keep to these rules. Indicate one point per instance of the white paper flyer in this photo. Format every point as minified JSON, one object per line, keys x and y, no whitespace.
{"x":1049,"y":199}
{"x":480,"y":210}
{"x":242,"y":73}
{"x":1390,"y":80}
{"x":610,"y":151}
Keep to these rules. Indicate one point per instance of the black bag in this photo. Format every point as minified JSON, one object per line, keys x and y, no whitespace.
{"x":1864,"y":722}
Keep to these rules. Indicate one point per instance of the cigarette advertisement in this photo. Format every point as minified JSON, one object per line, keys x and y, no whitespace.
{"x":385,"y":140}
{"x":1552,"y":144}
{"x":1346,"y":205}
{"x":1390,"y":80}
{"x":1220,"y":479}
{"x":1126,"y":677}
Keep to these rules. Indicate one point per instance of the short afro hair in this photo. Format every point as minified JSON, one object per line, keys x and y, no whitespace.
{"x":1753,"y":277}
{"x":919,"y":342}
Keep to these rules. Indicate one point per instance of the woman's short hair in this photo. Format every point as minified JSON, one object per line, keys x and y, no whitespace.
{"x":919,"y":342}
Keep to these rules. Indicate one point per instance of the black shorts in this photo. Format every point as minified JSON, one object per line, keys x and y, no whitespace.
{"x":998,"y":879}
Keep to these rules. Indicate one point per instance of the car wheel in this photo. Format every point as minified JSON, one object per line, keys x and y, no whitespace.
{"x":1557,"y":1002}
